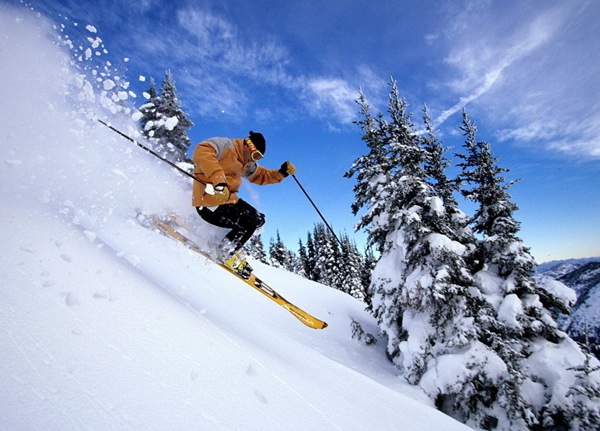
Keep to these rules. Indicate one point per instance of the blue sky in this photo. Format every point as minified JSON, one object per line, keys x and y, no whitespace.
{"x":528,"y":73}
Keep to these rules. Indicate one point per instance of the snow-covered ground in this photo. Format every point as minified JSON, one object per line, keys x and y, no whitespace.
{"x":105,"y":325}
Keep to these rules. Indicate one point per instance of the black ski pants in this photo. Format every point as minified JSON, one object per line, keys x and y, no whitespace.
{"x":242,"y":218}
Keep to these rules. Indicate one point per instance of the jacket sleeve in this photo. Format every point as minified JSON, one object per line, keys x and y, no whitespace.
{"x":205,"y":159}
{"x":263,"y":176}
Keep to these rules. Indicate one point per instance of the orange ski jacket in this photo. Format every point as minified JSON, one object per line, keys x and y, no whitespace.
{"x":221,"y":160}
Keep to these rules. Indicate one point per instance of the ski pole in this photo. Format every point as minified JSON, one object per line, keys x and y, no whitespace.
{"x":317,"y":209}
{"x":155,"y":154}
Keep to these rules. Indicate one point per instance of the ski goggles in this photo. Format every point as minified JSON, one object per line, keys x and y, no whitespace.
{"x":255,"y":155}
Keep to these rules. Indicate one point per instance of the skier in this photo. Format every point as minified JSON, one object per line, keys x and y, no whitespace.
{"x":220,"y":165}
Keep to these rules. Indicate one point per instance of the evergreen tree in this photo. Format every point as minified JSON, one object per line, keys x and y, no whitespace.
{"x":352,"y":267}
{"x":390,"y":184}
{"x":294,"y":264}
{"x":303,"y":260}
{"x":521,"y":328}
{"x":325,"y":261}
{"x":256,"y":250}
{"x":373,"y":172}
{"x":149,"y":111}
{"x":436,"y":164}
{"x":278,"y":252}
{"x":164,"y":123}
{"x":455,"y":224}
{"x":494,"y":213}
{"x":327,"y":257}
{"x":281,"y":257}
{"x":425,"y":300}
{"x":308,"y":257}
{"x":586,"y":387}
{"x":370,"y":261}
{"x":173,"y":135}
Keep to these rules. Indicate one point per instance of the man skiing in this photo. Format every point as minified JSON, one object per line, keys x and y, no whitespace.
{"x":220,"y":165}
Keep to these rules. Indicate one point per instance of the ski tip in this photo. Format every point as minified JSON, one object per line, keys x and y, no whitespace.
{"x":322,"y":326}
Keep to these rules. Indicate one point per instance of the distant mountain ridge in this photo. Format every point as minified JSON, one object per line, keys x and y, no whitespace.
{"x":583,"y":276}
{"x":547,"y":266}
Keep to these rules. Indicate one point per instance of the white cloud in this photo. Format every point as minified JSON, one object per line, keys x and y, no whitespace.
{"x":216,"y":43}
{"x":145,"y":5}
{"x":533,"y":78}
{"x":567,"y":136}
{"x":211,"y":96}
{"x":220,"y":69}
{"x":333,"y":98}
{"x":211,"y":35}
{"x":482,"y":61}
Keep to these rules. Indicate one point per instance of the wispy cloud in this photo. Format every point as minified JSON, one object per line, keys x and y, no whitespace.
{"x":535,"y":77}
{"x":482,"y":61}
{"x":332,"y":96}
{"x":568,"y":136}
{"x":217,"y":41}
{"x":215,"y":67}
{"x":221,"y":68}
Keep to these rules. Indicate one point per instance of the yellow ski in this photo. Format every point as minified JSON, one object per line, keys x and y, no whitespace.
{"x":167,"y":228}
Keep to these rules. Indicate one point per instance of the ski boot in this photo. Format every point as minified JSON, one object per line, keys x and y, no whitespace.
{"x":239,"y":265}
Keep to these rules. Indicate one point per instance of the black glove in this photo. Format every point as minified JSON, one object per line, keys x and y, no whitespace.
{"x":287,"y":168}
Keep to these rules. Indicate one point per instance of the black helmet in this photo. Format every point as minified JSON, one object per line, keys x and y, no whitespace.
{"x":259,"y":141}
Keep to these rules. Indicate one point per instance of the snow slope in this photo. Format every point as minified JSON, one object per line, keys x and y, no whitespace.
{"x":107,"y":325}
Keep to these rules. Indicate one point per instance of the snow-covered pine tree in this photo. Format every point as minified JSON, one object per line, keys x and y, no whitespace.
{"x":168,"y":129}
{"x":328,"y":257}
{"x":148,"y":112}
{"x":540,"y":359}
{"x":424,"y":297}
{"x":391,"y":188}
{"x":436,"y":165}
{"x":382,"y":190}
{"x":373,"y":171}
{"x":326,"y":261}
{"x":307,"y":257}
{"x":494,"y":208}
{"x":370,"y":261}
{"x":278,"y":253}
{"x":303,"y":260}
{"x":585,"y":388}
{"x":351,"y":270}
{"x":294,"y":264}
{"x":174,"y":138}
{"x":256,"y":249}
{"x":280,"y":256}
